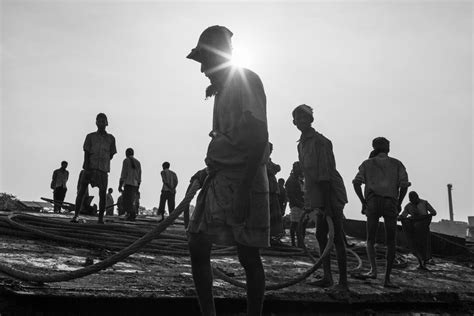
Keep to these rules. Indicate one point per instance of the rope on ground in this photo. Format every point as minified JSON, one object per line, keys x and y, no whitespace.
{"x":65,"y":276}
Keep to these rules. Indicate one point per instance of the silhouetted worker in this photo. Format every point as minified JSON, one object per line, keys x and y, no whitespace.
{"x":58,"y":185}
{"x":282,"y":197}
{"x":276,"y":224}
{"x":120,"y":208}
{"x":168,"y":192}
{"x":386,"y":183}
{"x":129,"y":183}
{"x":324,"y":192}
{"x":109,"y":204}
{"x":416,"y":219}
{"x":295,"y":191}
{"x":99,"y":149}
{"x":232,"y":207}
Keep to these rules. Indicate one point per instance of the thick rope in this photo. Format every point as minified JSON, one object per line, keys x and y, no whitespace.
{"x":65,"y":276}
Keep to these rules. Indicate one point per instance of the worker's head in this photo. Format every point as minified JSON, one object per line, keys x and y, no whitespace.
{"x":165,"y":165}
{"x":101,"y":121}
{"x":213,"y":50}
{"x":129,"y":152}
{"x":381,"y":145}
{"x":297,"y":168}
{"x":303,"y":117}
{"x":413,"y":197}
{"x":110,"y":190}
{"x":63,"y":164}
{"x":281,"y":181}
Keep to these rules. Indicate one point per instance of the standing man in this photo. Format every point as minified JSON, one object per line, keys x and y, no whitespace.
{"x":58,"y":185}
{"x":324,"y":192}
{"x":386,"y":184}
{"x":99,"y":149}
{"x":416,"y":219}
{"x":294,"y":189}
{"x":232,"y":207}
{"x":168,"y":192}
{"x":276,"y":220}
{"x":282,"y":197}
{"x":131,"y":177}
{"x":109,"y":204}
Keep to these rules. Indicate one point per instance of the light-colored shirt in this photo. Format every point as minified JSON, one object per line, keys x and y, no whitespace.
{"x":100,"y":148}
{"x":419,"y":209}
{"x":319,"y":165}
{"x":60,"y":178}
{"x":109,"y":200}
{"x":242,"y":96}
{"x":170,"y":180}
{"x":131,"y":176}
{"x":382,"y":176}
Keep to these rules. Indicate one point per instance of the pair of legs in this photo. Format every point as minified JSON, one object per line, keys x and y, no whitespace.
{"x":129,"y":196}
{"x":59,"y":194}
{"x":387,"y":208}
{"x":94,"y":178}
{"x":200,"y":249}
{"x":322,"y":230}
{"x":166,"y":196}
{"x":295,"y":230}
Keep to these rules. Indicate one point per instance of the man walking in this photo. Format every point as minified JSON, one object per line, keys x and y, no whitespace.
{"x":130,"y":180}
{"x":294,"y":189}
{"x":386,"y":184}
{"x":58,"y":185}
{"x":168,"y":192}
{"x":99,"y":149}
{"x":324,"y":192}
{"x":232,"y":207}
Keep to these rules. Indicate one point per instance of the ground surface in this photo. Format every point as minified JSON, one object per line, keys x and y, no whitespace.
{"x":151,"y":278}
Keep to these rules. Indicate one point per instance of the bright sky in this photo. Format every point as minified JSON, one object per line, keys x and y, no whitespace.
{"x":402,"y":70}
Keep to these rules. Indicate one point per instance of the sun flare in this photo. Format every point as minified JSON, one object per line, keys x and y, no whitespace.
{"x":241,"y":57}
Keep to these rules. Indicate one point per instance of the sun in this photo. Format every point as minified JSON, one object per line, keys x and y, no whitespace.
{"x":241,"y":57}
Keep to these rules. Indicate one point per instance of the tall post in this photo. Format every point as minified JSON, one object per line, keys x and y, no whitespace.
{"x":450,"y":199}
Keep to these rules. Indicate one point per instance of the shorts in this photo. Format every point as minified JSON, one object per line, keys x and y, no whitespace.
{"x":96,"y":178}
{"x":215,"y":215}
{"x":379,"y":206}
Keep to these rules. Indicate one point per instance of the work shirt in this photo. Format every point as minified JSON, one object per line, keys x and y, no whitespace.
{"x":241,"y":97}
{"x":131,"y":176}
{"x":60,"y":178}
{"x":419,"y":209}
{"x":109,"y":200}
{"x":294,"y":191}
{"x":170,"y":180}
{"x":100,"y":148}
{"x":383,"y":176}
{"x":317,"y":159}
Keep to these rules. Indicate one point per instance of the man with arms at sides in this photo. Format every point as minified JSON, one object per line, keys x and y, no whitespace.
{"x":324,"y":192}
{"x":130,"y":180}
{"x":168,"y":192}
{"x":58,"y":185}
{"x":233,"y":206}
{"x":99,"y":149}
{"x":386,"y":184}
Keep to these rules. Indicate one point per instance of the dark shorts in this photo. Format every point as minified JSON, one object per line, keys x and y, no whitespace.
{"x":379,"y":206}
{"x":95,"y":178}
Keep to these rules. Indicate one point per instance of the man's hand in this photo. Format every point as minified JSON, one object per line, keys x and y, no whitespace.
{"x":364,"y":208}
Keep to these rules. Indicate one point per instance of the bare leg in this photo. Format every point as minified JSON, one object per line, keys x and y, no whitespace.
{"x":390,"y":235}
{"x":102,"y":199}
{"x":372,"y":225}
{"x":79,"y":198}
{"x":249,"y":258}
{"x":200,"y":250}
{"x":322,"y":237}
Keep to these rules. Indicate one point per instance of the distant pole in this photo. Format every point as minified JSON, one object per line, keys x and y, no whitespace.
{"x":450,"y":199}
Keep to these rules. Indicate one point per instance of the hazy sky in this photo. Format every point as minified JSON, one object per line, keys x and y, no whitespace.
{"x":402,"y":70}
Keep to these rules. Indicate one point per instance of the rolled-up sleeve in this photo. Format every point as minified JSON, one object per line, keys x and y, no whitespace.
{"x":360,"y":176}
{"x":403,"y":177}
